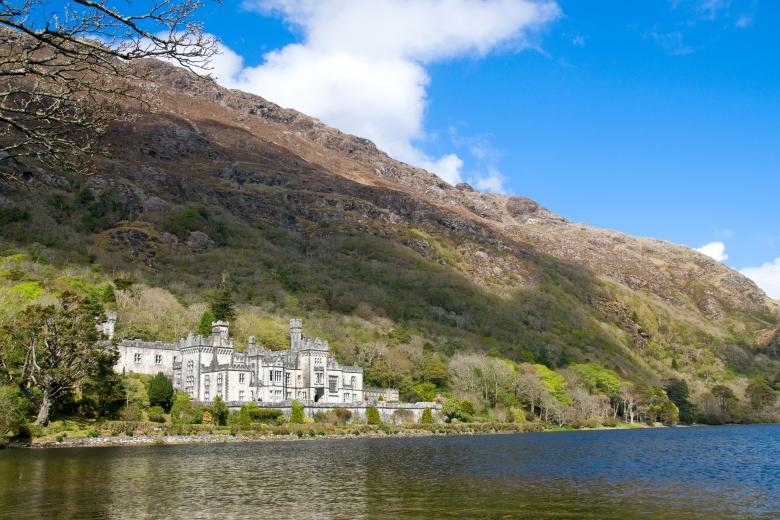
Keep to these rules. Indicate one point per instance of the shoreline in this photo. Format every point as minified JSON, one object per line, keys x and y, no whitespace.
{"x":225,"y":438}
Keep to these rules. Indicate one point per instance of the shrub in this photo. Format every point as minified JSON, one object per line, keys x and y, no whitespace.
{"x":131,"y":413}
{"x":156,"y":414}
{"x":219,"y":411}
{"x":263,"y":415}
{"x":183,"y":411}
{"x":426,"y":417}
{"x":372,"y":415}
{"x":161,"y":391}
{"x":342,"y":415}
{"x":297,"y":416}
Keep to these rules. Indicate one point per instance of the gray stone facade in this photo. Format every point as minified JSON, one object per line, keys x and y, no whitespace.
{"x":206,"y":367}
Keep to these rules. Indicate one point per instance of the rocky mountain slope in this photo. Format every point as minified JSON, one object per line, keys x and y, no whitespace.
{"x":217,"y":181}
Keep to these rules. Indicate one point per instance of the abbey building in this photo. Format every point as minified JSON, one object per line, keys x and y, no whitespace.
{"x":206,"y":367}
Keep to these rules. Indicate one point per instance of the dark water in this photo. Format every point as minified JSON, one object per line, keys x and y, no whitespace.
{"x":717,"y":472}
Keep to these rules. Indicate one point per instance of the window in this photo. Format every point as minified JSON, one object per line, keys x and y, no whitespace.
{"x":240,"y":395}
{"x":241,"y":378}
{"x":289,"y":395}
{"x":219,"y":379}
{"x":333,"y":384}
{"x":353,"y":381}
{"x":206,"y":380}
{"x":206,"y":394}
{"x":137,"y":358}
{"x":190,"y":366}
{"x":317,"y":378}
{"x":270,"y":376}
{"x":287,"y":379}
{"x":158,"y":359}
{"x":278,"y":376}
{"x":298,"y":379}
{"x":317,"y":361}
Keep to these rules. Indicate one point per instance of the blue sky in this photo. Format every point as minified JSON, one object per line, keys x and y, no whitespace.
{"x":658,"y":118}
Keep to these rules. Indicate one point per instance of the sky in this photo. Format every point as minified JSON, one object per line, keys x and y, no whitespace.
{"x":658,"y":118}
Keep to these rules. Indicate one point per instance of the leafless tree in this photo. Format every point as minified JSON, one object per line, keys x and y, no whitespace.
{"x":67,"y":67}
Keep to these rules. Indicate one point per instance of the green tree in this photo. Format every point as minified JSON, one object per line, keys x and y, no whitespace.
{"x":296,"y":414}
{"x":220,"y":411}
{"x":161,"y":391}
{"x":221,"y":303}
{"x":12,"y":413}
{"x":54,"y":349}
{"x":372,"y":415}
{"x":678,"y":393}
{"x":183,"y":411}
{"x":204,"y":325}
{"x":726,"y":398}
{"x":104,"y":387}
{"x":426,"y":417}
{"x":433,"y":369}
{"x":451,"y":409}
{"x":425,"y":391}
{"x":759,"y":395}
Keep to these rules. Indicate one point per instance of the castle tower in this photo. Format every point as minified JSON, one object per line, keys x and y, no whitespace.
{"x":296,"y":333}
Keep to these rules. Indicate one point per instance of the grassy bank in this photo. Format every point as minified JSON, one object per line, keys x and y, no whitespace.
{"x":121,"y":433}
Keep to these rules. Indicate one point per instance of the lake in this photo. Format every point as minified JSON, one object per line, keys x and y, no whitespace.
{"x":702,"y":472}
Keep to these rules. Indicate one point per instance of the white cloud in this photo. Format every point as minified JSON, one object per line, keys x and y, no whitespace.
{"x":766,"y":276}
{"x":715,"y":250}
{"x":361,"y":64}
{"x":493,"y":180}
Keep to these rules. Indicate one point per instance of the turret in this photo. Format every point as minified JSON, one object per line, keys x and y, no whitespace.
{"x":220,"y":329}
{"x":296,"y":333}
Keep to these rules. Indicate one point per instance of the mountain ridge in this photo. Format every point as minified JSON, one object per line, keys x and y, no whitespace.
{"x":216,"y":180}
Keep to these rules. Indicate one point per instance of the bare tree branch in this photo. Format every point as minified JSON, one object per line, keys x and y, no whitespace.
{"x":67,"y":70}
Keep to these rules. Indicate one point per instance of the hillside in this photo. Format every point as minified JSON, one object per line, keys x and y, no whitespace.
{"x":307,"y":220}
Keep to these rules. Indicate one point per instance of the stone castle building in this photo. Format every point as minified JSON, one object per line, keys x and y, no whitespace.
{"x":207,"y":367}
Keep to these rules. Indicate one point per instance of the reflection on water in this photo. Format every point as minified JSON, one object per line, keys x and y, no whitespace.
{"x":723,"y":472}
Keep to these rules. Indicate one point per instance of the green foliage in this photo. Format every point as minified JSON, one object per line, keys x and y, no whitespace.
{"x":555,"y":384}
{"x":221,"y":302}
{"x":27,"y":290}
{"x":372,"y":415}
{"x":452,"y":409}
{"x":204,"y":325}
{"x":426,"y":417}
{"x":64,"y":342}
{"x":596,"y":378}
{"x":760,"y":395}
{"x":219,"y":411}
{"x":181,"y":223}
{"x":678,"y":393}
{"x":12,"y":410}
{"x":425,"y":391}
{"x":156,"y":414}
{"x":183,"y":411}
{"x":161,"y":391}
{"x":297,"y":413}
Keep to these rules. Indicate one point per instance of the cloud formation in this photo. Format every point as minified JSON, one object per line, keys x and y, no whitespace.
{"x":361,"y":65}
{"x":715,"y":250}
{"x":766,"y":276}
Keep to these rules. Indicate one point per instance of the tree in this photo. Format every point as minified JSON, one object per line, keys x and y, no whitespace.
{"x":183,"y":411}
{"x":104,"y":386}
{"x":204,"y":326}
{"x":759,"y":394}
{"x":725,"y":397}
{"x":451,"y":409}
{"x":66,"y":68}
{"x":296,"y":414}
{"x":161,"y":391}
{"x":56,"y":348}
{"x":220,"y":411}
{"x":372,"y":415}
{"x":221,"y":302}
{"x":11,"y":406}
{"x":426,"y":417}
{"x":678,"y":393}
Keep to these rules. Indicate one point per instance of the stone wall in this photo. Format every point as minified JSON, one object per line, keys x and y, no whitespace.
{"x":389,"y":412}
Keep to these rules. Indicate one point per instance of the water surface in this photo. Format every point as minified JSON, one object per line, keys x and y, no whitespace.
{"x":707,"y":472}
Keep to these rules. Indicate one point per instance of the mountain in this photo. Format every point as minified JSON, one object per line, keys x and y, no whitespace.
{"x":307,"y":219}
